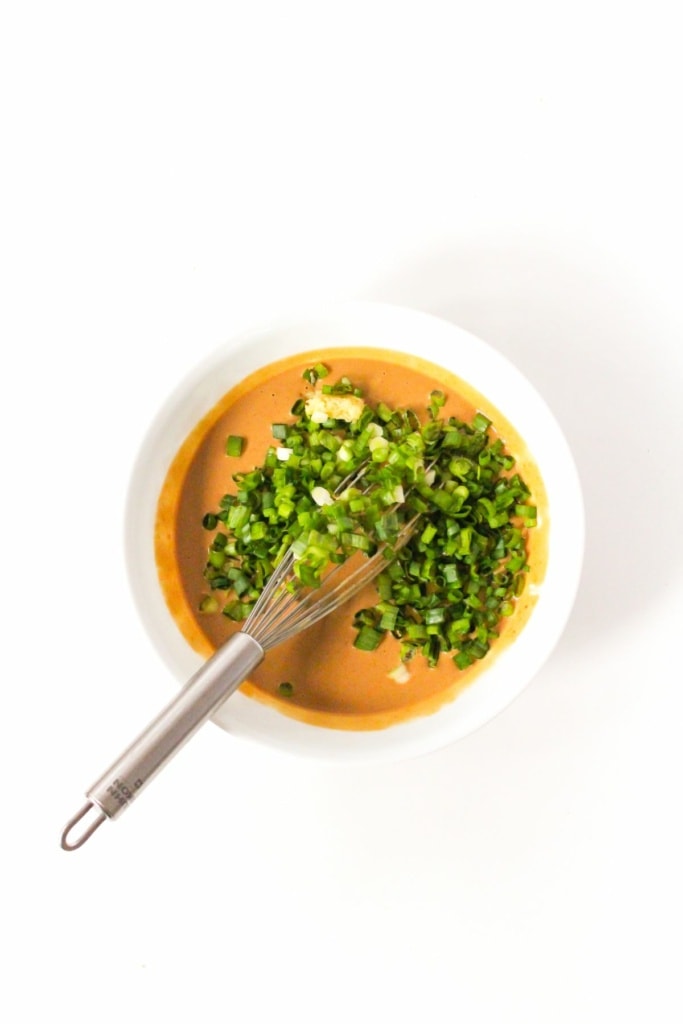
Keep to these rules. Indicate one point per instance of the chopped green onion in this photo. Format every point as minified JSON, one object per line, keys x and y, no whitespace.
{"x":238,"y":517}
{"x":437,"y":400}
{"x":389,"y":617}
{"x":217,"y":558}
{"x":234,"y":446}
{"x":216,"y":580}
{"x":368,"y":639}
{"x":428,"y":533}
{"x":315,"y":373}
{"x":527,"y":512}
{"x":237,"y":610}
{"x":455,"y":581}
{"x":285,"y":689}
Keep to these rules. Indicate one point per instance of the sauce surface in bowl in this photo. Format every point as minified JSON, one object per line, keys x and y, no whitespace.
{"x":332,"y":683}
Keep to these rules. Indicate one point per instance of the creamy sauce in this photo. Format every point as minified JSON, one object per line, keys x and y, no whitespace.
{"x":334,"y":684}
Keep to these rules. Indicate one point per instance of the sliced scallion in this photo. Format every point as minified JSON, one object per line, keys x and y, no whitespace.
{"x":368,"y":639}
{"x":234,"y":445}
{"x":460,"y":574}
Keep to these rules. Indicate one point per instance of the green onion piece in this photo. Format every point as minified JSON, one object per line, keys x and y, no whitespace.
{"x":315,"y":373}
{"x":240,"y":583}
{"x":217,"y":558}
{"x":208,"y":605}
{"x":238,"y":517}
{"x":428,"y":533}
{"x":259,"y":531}
{"x":345,"y":385}
{"x":455,"y":581}
{"x":437,"y":400}
{"x":481,"y":422}
{"x":435,"y":615}
{"x":527,"y":513}
{"x":285,"y":689}
{"x":217,"y":581}
{"x":389,"y":617}
{"x":234,"y":446}
{"x":237,"y":610}
{"x":461,"y":467}
{"x":450,"y":573}
{"x":368,"y":639}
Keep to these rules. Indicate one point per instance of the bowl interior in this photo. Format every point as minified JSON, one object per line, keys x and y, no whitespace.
{"x":381,"y":327}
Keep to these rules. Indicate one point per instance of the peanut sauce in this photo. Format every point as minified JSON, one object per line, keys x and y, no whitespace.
{"x":333,"y":684}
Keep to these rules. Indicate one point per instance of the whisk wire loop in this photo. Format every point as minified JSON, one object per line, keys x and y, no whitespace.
{"x":286,"y":612}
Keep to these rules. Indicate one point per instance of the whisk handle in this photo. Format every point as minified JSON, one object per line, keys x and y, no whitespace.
{"x":165,"y":735}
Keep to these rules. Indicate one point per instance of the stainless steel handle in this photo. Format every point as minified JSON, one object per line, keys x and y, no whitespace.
{"x":213,"y":683}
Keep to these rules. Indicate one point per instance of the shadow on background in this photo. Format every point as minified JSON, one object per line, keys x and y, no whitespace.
{"x":581,"y":333}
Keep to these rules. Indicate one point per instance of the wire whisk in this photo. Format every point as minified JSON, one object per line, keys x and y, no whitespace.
{"x":282,"y":610}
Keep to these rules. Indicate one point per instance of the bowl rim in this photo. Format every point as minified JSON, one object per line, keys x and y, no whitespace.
{"x":391,"y":327}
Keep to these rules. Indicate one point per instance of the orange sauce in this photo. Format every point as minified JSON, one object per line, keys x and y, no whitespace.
{"x":334,"y":684}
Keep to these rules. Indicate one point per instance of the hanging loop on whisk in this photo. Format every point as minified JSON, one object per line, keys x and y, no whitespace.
{"x":68,"y":844}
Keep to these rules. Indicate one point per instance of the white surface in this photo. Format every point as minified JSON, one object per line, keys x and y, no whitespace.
{"x":172,"y":174}
{"x":502,"y":389}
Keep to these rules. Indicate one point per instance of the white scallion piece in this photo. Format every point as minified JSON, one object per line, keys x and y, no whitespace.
{"x":400,"y":674}
{"x":321,"y":496}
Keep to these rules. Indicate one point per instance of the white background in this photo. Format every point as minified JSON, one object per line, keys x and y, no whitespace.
{"x":174,"y":173}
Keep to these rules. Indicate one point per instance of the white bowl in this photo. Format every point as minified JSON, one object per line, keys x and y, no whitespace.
{"x":371,"y":325}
